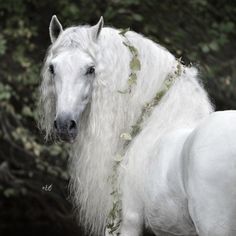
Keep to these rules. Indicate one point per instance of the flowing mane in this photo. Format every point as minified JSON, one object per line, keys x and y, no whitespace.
{"x":110,"y":113}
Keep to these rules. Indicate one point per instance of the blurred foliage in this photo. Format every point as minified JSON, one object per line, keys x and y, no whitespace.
{"x":200,"y":31}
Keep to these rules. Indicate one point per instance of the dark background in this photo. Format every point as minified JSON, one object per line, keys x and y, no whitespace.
{"x":201,"y":32}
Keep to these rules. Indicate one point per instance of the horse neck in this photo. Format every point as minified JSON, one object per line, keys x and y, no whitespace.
{"x":112,"y":113}
{"x":187,"y":102}
{"x":183,"y":107}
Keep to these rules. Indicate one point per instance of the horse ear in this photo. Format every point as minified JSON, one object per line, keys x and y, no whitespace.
{"x":96,"y":29}
{"x":55,"y":29}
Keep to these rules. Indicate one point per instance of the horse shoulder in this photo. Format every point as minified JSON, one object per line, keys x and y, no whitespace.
{"x":167,"y":208}
{"x":210,"y":154}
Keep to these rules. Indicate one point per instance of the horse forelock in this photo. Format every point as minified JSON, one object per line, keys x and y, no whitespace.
{"x":77,"y":37}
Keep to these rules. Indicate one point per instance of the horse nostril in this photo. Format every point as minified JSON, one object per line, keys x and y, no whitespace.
{"x":55,"y":124}
{"x":72,"y":125}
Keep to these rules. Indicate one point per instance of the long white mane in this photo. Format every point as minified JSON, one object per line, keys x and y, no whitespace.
{"x":110,"y":113}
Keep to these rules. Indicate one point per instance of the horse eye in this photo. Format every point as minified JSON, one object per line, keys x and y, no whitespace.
{"x":51,"y":69}
{"x":90,"y":70}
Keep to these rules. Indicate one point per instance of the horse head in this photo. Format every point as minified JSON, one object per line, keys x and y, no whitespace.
{"x":68,"y":74}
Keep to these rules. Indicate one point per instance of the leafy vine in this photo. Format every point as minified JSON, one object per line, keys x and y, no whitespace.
{"x":134,"y":64}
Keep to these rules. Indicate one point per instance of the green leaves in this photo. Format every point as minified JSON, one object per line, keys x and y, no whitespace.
{"x":9,"y":192}
{"x":124,"y":31}
{"x":3,"y":45}
{"x":212,"y":46}
{"x":5,"y":92}
{"x":132,"y":79}
{"x":132,"y":49}
{"x":126,"y":136}
{"x":118,"y":158}
{"x":135,"y":64}
{"x":123,"y":92}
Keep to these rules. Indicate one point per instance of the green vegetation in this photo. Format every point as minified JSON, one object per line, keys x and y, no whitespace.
{"x":199,"y":31}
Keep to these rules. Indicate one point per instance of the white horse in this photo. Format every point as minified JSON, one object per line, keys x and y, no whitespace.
{"x":178,"y":174}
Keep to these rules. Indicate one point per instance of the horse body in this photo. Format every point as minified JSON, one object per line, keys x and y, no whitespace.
{"x":160,"y":169}
{"x":189,"y":178}
{"x":163,"y":201}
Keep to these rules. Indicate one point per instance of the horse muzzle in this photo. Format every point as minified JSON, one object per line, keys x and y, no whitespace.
{"x":65,"y":127}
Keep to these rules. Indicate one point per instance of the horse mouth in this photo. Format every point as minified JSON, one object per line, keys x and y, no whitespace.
{"x":66,"y":137}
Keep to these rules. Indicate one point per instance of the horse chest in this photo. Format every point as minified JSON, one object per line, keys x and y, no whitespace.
{"x":169,"y":214}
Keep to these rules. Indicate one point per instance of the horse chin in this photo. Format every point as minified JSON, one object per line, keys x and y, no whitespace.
{"x":67,"y":138}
